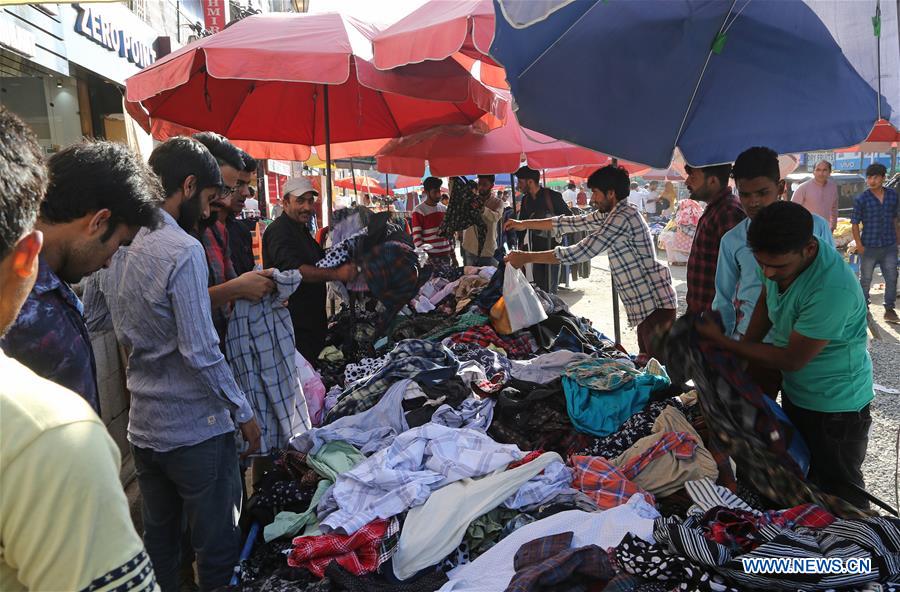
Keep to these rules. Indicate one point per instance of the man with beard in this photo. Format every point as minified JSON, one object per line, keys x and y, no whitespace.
{"x":225,"y":286}
{"x":99,"y":195}
{"x":539,"y":203}
{"x":184,"y":399}
{"x":491,"y":215}
{"x":644,"y":284}
{"x":723,"y":212}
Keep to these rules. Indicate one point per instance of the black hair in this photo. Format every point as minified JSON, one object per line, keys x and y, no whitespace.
{"x":780,"y":228}
{"x":876,"y":168}
{"x":758,"y":161}
{"x":528,"y":173}
{"x":224,"y":151}
{"x":23,"y":179}
{"x":570,"y":185}
{"x":611,"y":178}
{"x":490,"y":178}
{"x":721,"y":171}
{"x":829,"y":164}
{"x":250,"y":163}
{"x":94,"y":175}
{"x":432,"y":183}
{"x":178,"y":158}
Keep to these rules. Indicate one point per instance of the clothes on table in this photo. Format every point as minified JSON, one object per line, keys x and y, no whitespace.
{"x":493,"y":571}
{"x":391,"y":270}
{"x":457,"y":324}
{"x":490,"y":360}
{"x":420,"y":406}
{"x":403,"y":475}
{"x":260,"y":348}
{"x":519,"y":345}
{"x":625,"y":391}
{"x":668,"y":472}
{"x":550,"y":563}
{"x":432,"y":530}
{"x":533,"y":416}
{"x":545,"y":367}
{"x":331,"y":460}
{"x":637,"y":426}
{"x":363,"y":369}
{"x":412,"y":358}
{"x":607,"y":485}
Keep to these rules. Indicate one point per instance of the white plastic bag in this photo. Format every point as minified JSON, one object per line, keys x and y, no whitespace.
{"x":522,"y":304}
{"x":313,"y":389}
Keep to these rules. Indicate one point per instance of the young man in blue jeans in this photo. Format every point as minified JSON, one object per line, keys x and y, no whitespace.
{"x":876,"y":208}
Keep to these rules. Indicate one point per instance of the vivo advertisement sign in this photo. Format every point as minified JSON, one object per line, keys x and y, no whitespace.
{"x":108,"y":39}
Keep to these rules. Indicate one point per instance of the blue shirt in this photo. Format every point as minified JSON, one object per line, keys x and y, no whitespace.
{"x":50,"y":337}
{"x":737,"y":275}
{"x":182,"y":389}
{"x":877,"y":218}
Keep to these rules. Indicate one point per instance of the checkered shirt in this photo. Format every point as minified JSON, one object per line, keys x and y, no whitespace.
{"x":358,"y":553}
{"x":548,"y":563}
{"x":722,"y":214}
{"x":878,"y":218}
{"x":262,"y":356}
{"x":644,"y":284}
{"x":517,"y":346}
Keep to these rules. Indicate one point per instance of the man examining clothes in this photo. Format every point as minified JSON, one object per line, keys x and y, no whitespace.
{"x":813,"y":304}
{"x":240,"y":231}
{"x":288,"y":244}
{"x":644,"y":284}
{"x":540,"y":203}
{"x":491,"y":214}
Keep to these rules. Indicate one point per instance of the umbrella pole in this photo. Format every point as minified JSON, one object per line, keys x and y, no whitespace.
{"x":329,"y":197}
{"x":615,"y":295}
{"x":353,"y":175}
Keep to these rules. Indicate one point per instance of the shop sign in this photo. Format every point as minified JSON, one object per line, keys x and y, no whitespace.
{"x":104,"y":29}
{"x":214,"y":15}
{"x":280,"y":167}
{"x":17,"y":39}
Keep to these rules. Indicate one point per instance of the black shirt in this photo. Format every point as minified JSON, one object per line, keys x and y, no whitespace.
{"x":287,"y":245}
{"x":240,"y":241}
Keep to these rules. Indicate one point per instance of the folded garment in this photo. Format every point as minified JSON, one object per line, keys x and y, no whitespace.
{"x":549,"y":563}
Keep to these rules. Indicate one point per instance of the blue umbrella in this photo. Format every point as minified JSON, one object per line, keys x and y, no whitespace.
{"x":638,"y":78}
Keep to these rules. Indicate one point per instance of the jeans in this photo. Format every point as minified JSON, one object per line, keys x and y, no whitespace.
{"x":470,"y":259}
{"x":837,"y":443}
{"x":203,"y":482}
{"x":886,"y":258}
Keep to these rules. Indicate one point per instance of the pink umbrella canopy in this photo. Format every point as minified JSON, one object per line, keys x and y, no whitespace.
{"x":462,"y":151}
{"x":440,"y":29}
{"x":405,"y":181}
{"x":264,"y":81}
{"x":364,"y":184}
{"x":663,"y":175}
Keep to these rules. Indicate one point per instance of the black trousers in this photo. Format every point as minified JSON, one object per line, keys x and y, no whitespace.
{"x":837,"y":444}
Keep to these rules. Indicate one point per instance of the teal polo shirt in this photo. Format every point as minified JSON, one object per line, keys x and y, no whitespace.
{"x":825,"y":302}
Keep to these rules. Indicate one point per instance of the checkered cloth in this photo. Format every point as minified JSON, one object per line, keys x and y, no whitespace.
{"x":517,"y":346}
{"x":262,"y":355}
{"x":739,"y":530}
{"x":404,"y":474}
{"x":358,"y":553}
{"x":643,"y":283}
{"x":877,"y":217}
{"x":391,"y":271}
{"x":722,"y":214}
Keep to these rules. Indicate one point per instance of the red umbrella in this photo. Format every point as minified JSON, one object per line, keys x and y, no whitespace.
{"x":269,"y":81}
{"x":461,"y":151}
{"x":404,"y":181}
{"x":364,"y":184}
{"x":882,"y":138}
{"x":437,"y":30}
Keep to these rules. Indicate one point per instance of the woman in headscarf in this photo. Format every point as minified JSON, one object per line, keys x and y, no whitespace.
{"x":668,"y":194}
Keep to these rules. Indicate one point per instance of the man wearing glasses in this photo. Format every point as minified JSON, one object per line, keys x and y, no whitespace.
{"x":225,"y":286}
{"x":288,"y":244}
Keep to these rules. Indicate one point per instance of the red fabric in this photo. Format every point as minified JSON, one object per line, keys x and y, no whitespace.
{"x":364,"y":184}
{"x":453,"y":151}
{"x":603,"y":482}
{"x":739,"y":529}
{"x":522,"y":461}
{"x":260,"y":81}
{"x":517,"y":346}
{"x":357,"y":553}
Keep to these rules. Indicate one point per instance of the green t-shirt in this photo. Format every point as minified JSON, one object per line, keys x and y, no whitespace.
{"x":825,"y":302}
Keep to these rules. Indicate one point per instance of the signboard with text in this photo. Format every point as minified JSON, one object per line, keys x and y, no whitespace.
{"x":214,"y":15}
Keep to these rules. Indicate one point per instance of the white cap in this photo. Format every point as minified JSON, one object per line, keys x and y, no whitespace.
{"x":297,"y":186}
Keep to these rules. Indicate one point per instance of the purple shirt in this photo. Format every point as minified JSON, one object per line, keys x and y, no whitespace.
{"x":818,"y":199}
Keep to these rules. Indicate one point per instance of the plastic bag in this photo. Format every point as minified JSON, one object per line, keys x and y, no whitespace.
{"x":499,"y":318}
{"x":313,"y":389}
{"x":522,"y":305}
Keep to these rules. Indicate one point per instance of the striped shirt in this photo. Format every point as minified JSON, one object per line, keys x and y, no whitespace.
{"x":644,"y":284}
{"x":426,"y":220}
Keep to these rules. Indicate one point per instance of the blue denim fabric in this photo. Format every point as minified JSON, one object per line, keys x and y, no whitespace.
{"x":886,"y":258}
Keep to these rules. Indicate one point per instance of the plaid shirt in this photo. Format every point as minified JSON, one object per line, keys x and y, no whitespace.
{"x":722,"y":214}
{"x":260,"y":348}
{"x":878,"y":218}
{"x":404,"y":474}
{"x":549,"y":563}
{"x":643,"y":283}
{"x":358,"y":553}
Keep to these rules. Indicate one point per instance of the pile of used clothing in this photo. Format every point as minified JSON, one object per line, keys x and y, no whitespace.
{"x":453,"y":455}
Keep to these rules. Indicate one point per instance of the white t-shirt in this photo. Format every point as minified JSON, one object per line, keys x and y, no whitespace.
{"x":637,"y":197}
{"x":650,"y":201}
{"x":251,"y":204}
{"x":569,"y":196}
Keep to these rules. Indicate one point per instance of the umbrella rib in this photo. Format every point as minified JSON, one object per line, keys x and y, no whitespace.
{"x":552,"y":45}
{"x":700,"y":79}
